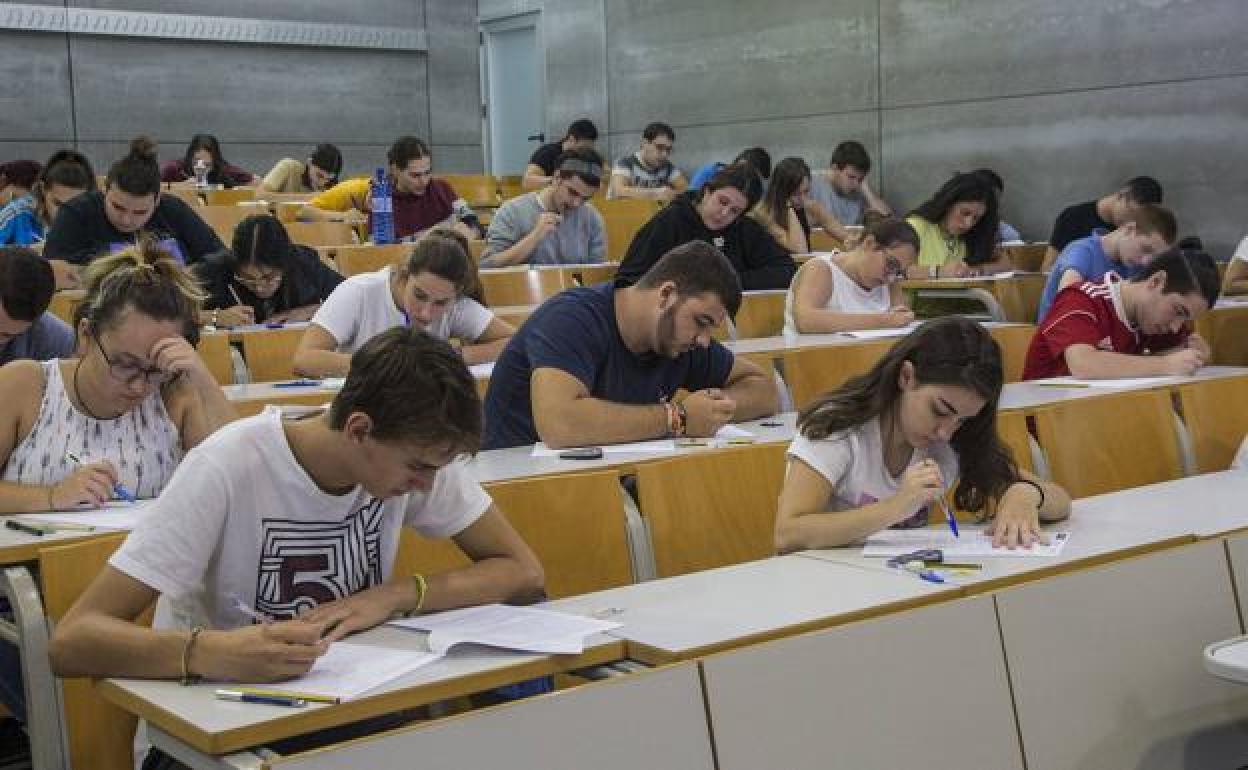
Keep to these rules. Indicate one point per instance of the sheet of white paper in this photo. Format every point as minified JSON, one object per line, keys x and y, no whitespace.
{"x":972,"y":544}
{"x":659,"y":445}
{"x":1122,"y":382}
{"x":113,"y":516}
{"x":871,"y":334}
{"x":729,"y":432}
{"x":529,"y":629}
{"x":334,"y":382}
{"x":482,"y":370}
{"x":348,"y":670}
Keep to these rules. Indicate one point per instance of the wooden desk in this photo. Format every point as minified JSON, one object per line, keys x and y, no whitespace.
{"x":1030,"y":395}
{"x":1225,"y":329}
{"x":251,"y":399}
{"x":687,"y":616}
{"x":195,"y":718}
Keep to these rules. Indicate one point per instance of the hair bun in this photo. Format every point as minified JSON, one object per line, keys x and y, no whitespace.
{"x":143,"y":147}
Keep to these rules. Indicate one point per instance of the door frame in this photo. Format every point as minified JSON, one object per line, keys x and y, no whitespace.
{"x":489,"y":25}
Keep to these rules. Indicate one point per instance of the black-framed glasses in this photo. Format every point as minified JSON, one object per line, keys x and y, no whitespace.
{"x":128,"y":373}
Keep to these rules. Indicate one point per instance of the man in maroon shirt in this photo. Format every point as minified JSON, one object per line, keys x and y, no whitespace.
{"x":1137,"y":328}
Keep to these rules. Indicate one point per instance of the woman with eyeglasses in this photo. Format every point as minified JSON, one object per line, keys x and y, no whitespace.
{"x":73,"y":432}
{"x":857,"y":289}
{"x":264,"y":278}
{"x":881,"y":450}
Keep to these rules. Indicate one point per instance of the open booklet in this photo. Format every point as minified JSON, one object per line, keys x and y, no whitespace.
{"x":527,"y":629}
{"x":118,"y":516}
{"x":728,"y":434}
{"x":973,"y":543}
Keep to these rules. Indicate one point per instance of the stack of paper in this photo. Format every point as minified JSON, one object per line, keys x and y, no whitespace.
{"x":348,"y":670}
{"x":527,"y":629}
{"x":113,"y":516}
{"x":972,"y":544}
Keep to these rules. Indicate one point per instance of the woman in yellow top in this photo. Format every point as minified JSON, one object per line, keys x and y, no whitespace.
{"x":957,"y":230}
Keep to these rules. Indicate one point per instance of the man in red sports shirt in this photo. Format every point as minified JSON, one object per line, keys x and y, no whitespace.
{"x":1137,"y":328}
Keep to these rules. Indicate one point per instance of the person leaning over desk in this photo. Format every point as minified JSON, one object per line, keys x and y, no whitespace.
{"x":883,"y":448}
{"x":602,"y":365}
{"x":229,"y":541}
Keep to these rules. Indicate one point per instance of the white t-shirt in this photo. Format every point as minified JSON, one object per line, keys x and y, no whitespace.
{"x":846,"y":297}
{"x":853,"y":463}
{"x":362,"y":307}
{"x":241,"y":520}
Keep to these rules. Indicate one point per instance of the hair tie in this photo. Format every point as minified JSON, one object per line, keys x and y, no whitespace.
{"x":578,"y":166}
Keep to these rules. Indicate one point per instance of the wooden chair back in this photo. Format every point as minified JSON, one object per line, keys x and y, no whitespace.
{"x":761,"y":314}
{"x":509,"y":187}
{"x":352,"y":260}
{"x":1110,"y":442}
{"x":623,"y":217}
{"x":1028,"y":257}
{"x":223,"y":219}
{"x":65,"y":303}
{"x":187,"y":195}
{"x":1223,"y":329}
{"x":509,"y":286}
{"x":811,"y":372}
{"x":1216,"y":420}
{"x":821,"y":240}
{"x":270,"y":353}
{"x":713,"y":508}
{"x":100,"y":735}
{"x":316,"y":234}
{"x":214,"y":348}
{"x":1014,"y":341}
{"x":231,"y":197}
{"x":573,"y":522}
{"x":1012,"y":428}
{"x":475,"y":189}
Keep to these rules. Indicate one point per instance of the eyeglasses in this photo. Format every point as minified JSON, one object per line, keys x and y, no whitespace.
{"x":893,"y":269}
{"x":129,"y":374}
{"x":258,"y":281}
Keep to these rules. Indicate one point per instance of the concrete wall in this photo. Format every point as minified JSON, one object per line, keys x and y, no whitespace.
{"x":262,"y":102}
{"x":1065,"y":98}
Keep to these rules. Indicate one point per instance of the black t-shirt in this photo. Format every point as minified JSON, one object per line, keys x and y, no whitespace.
{"x":1076,"y":222}
{"x":305,"y":281}
{"x":759,"y":260}
{"x":82,"y":231}
{"x":546,"y":156}
{"x":596,"y":355}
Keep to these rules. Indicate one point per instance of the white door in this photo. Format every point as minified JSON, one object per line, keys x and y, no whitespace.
{"x":514,"y":92}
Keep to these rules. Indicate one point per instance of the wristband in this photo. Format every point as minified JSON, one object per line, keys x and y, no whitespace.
{"x":422,"y":588}
{"x":187,"y":677}
{"x":1034,"y":486}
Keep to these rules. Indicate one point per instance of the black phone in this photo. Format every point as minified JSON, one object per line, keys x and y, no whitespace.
{"x":583,"y":453}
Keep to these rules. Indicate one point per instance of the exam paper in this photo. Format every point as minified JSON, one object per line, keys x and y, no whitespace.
{"x":528,"y":629}
{"x":482,"y":370}
{"x":973,"y":543}
{"x":726,"y":433}
{"x":1122,"y":382}
{"x":871,"y":334}
{"x":116,"y":515}
{"x":348,"y":670}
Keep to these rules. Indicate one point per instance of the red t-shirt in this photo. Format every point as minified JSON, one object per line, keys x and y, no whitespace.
{"x":416,"y":213}
{"x":1088,"y":313}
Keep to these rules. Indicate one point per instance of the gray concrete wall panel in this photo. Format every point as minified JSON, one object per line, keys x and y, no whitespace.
{"x":382,"y":13}
{"x":454,"y":73}
{"x":458,"y":159}
{"x":34,"y":103}
{"x":574,"y":36}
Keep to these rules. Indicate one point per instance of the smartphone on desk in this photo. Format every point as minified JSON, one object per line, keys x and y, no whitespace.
{"x":582,"y":453}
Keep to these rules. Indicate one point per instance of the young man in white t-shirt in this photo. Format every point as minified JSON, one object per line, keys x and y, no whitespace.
{"x":299,"y":522}
{"x":426,"y":292}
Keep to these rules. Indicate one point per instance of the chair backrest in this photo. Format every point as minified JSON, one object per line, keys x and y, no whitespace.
{"x":761,"y":314}
{"x":188,"y":195}
{"x":223,"y":219}
{"x":270,"y":353}
{"x":821,"y":240}
{"x":587,"y":275}
{"x":100,"y":735}
{"x":1223,"y":328}
{"x":352,"y":260}
{"x":65,"y":303}
{"x":812,"y":371}
{"x":475,"y":189}
{"x":321,"y":233}
{"x":507,"y":286}
{"x":1216,"y":420}
{"x":1014,"y":341}
{"x":1111,"y":442}
{"x":623,"y":217}
{"x":510,"y":186}
{"x":1012,"y":428}
{"x":214,"y":348}
{"x":231,"y":197}
{"x":1028,"y":257}
{"x":573,"y":522}
{"x":713,"y":508}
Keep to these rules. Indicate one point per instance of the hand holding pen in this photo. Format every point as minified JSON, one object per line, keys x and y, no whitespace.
{"x":92,"y":484}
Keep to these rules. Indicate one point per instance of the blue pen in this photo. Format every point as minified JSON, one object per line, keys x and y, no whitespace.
{"x":953,"y":523}
{"x":119,"y":489}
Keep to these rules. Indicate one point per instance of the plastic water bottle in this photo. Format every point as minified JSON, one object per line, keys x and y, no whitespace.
{"x":201,"y":174}
{"x":382,"y":203}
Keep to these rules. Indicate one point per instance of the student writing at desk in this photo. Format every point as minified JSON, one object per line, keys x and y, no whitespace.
{"x":117,"y":420}
{"x":431,"y":291}
{"x":27,"y":330}
{"x":1104,"y":213}
{"x":957,"y":230}
{"x":1137,"y":328}
{"x":1146,"y":231}
{"x":856,"y":289}
{"x":25,"y":220}
{"x":600,"y":365}
{"x":264,"y":278}
{"x":256,"y":519}
{"x":881,"y":450}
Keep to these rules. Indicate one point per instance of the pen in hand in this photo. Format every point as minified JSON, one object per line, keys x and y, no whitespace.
{"x":119,"y":489}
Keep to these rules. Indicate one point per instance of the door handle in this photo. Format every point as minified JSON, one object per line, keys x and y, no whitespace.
{"x":537,"y":138}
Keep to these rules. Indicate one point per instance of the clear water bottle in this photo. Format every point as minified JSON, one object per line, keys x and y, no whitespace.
{"x":201,"y":174}
{"x":382,"y":203}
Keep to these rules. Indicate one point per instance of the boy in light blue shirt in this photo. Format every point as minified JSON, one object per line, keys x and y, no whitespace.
{"x":1126,"y":250}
